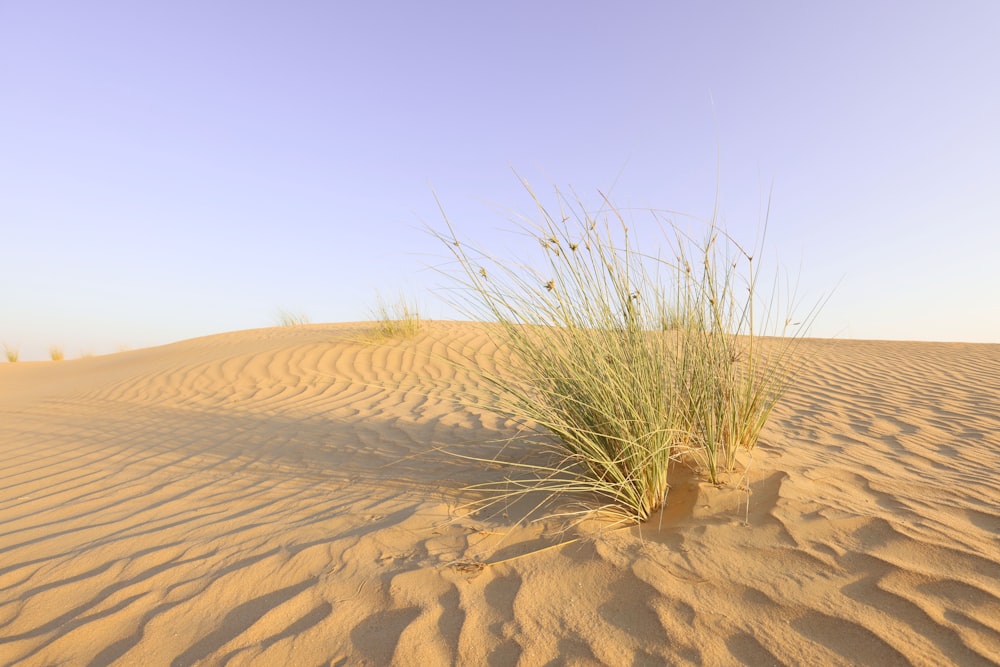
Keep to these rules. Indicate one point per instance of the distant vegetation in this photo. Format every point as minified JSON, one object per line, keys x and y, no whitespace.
{"x":285,"y":318}
{"x":56,"y":352}
{"x":12,"y":353}
{"x":397,"y":318}
{"x":626,"y":362}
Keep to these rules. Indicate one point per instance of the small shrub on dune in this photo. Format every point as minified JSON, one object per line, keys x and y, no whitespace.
{"x":625,"y":362}
{"x":12,"y":353}
{"x":56,"y":353}
{"x":398,"y":318}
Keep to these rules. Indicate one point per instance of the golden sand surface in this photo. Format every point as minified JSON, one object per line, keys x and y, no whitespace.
{"x":291,"y":496}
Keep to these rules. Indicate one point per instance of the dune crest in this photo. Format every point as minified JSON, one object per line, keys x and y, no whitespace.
{"x":287,"y":496}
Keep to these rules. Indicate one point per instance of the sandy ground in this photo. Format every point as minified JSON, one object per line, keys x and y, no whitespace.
{"x":281,"y":497}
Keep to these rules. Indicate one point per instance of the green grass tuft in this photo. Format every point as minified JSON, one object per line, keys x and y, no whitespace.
{"x":622,"y":361}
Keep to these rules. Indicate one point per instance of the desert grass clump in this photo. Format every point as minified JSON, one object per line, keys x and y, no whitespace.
{"x":12,"y":353}
{"x":286,"y":318}
{"x":56,"y":353}
{"x":624,"y":362}
{"x":397,"y":318}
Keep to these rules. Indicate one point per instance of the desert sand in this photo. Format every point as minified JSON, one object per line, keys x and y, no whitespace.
{"x":292,"y":496}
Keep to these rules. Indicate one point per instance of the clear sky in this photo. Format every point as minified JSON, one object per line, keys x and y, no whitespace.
{"x":175,"y":169}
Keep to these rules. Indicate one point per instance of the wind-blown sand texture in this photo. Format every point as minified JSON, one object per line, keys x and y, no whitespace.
{"x":279,"y":497}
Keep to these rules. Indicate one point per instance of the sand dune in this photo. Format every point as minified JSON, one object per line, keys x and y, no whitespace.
{"x":281,"y":497}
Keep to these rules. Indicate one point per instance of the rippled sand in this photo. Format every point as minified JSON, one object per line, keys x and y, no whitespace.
{"x":287,"y":497}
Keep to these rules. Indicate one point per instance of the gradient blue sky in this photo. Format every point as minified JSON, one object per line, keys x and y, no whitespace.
{"x":175,"y":169}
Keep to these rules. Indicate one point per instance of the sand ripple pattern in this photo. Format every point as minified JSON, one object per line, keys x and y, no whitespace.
{"x":283,"y":496}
